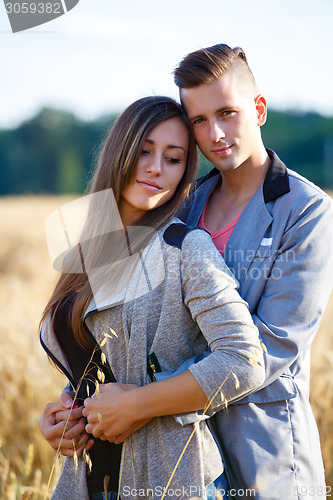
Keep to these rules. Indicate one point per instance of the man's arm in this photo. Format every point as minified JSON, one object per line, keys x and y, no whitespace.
{"x":63,"y":427}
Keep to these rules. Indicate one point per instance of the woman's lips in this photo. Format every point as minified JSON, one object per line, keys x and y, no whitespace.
{"x":150,"y":185}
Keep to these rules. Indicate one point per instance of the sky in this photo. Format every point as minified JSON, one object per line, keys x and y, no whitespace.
{"x":104,"y":54}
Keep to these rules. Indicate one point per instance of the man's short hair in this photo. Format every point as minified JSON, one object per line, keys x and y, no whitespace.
{"x":209,"y":64}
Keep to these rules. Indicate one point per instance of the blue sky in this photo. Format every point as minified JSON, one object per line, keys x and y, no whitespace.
{"x":104,"y":54}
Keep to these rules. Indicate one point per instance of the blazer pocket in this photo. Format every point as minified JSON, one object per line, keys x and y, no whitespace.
{"x":264,"y":250}
{"x":281,"y":389}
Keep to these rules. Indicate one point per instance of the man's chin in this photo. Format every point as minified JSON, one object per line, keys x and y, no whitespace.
{"x":224,"y":166}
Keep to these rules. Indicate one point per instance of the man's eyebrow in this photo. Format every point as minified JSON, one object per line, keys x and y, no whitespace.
{"x":195,"y":117}
{"x":225,"y":108}
{"x":169,"y":146}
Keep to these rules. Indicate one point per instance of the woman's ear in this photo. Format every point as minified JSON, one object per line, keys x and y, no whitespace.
{"x":261,"y":108}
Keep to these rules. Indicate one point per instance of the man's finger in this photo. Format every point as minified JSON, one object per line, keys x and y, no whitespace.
{"x":73,"y":414}
{"x":66,"y":398}
{"x":90,"y":443}
{"x":76,"y":429}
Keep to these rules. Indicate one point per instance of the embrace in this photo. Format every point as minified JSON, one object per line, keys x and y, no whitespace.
{"x":204,"y":296}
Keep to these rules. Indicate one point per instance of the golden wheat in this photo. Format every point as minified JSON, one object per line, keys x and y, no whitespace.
{"x":27,"y":380}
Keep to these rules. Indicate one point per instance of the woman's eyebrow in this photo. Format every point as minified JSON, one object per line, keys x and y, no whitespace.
{"x":169,"y":146}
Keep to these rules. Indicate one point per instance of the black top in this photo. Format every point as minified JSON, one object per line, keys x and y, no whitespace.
{"x":105,"y":456}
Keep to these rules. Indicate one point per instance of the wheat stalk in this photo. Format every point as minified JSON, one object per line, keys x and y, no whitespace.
{"x":208,"y":404}
{"x":88,"y":460}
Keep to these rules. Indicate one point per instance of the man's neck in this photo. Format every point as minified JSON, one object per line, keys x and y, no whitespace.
{"x":234,"y":191}
{"x":244,"y":181}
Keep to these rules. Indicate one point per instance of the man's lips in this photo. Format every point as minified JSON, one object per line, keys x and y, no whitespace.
{"x":148,"y":184}
{"x":222,"y":150}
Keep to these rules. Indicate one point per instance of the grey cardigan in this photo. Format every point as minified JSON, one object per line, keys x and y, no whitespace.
{"x":189,"y":298}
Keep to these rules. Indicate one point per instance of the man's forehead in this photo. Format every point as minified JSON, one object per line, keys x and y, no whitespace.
{"x":219,"y":94}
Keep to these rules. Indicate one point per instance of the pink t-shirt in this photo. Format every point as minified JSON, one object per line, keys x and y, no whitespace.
{"x":220,"y":238}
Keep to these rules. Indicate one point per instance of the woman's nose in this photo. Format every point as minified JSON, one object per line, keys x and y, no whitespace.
{"x":154,"y":165}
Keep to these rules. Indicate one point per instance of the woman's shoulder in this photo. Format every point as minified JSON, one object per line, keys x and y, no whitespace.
{"x":196,"y":249}
{"x":177,"y":233}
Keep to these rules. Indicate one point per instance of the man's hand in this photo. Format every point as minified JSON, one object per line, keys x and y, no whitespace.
{"x":63,"y":427}
{"x":112,"y":416}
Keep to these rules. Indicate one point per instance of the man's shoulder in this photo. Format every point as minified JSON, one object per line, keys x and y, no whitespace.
{"x":175,"y":232}
{"x":305,"y":195}
{"x":295,"y":189}
{"x":301,"y":184}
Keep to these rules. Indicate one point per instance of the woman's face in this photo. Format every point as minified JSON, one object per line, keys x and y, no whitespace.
{"x":160,"y":167}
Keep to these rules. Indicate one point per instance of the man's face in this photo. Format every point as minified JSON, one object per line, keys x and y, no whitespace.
{"x":226,"y":118}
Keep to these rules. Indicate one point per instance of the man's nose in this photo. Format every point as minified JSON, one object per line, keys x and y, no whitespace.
{"x":216,"y":132}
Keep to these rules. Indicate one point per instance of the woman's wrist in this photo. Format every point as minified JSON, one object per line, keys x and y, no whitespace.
{"x":142,"y":405}
{"x":178,"y":394}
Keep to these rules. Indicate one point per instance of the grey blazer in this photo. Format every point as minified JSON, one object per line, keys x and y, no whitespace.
{"x":281,"y":252}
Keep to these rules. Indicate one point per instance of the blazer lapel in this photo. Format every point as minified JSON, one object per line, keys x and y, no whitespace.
{"x":198,"y":200}
{"x":247,"y":236}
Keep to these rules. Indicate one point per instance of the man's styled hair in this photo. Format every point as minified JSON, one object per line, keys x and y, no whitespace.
{"x":209,"y":64}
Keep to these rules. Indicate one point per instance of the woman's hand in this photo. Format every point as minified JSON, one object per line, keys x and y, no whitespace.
{"x":122,"y":409}
{"x":114,"y":415}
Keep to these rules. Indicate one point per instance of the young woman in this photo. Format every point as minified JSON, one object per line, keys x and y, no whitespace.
{"x":158,"y":292}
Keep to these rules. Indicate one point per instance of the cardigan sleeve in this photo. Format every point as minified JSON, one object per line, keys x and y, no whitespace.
{"x":235,"y":366}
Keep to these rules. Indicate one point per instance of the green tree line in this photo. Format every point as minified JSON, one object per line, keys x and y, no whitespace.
{"x":55,"y":152}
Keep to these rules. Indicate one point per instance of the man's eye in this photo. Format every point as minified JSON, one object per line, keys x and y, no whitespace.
{"x":228,"y":112}
{"x":197,"y":121}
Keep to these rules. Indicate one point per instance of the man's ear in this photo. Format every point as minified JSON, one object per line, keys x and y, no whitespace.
{"x":261,"y":108}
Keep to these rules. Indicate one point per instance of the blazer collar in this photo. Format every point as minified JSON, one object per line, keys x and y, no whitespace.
{"x":276,"y":182}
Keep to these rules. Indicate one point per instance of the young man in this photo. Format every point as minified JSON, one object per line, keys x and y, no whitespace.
{"x":275,"y":231}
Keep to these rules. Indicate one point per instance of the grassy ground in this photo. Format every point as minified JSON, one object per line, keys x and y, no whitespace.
{"x":28,"y":381}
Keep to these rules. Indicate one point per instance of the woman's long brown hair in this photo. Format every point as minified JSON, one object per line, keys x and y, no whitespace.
{"x":115,"y":168}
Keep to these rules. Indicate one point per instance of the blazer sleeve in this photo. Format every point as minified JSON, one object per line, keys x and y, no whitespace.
{"x":298,"y":287}
{"x":235,"y":365}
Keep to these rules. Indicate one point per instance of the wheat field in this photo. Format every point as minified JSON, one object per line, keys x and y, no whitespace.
{"x":27,"y":379}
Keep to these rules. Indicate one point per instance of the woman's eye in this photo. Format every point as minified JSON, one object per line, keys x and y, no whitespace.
{"x":145,"y":152}
{"x":173,"y":160}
